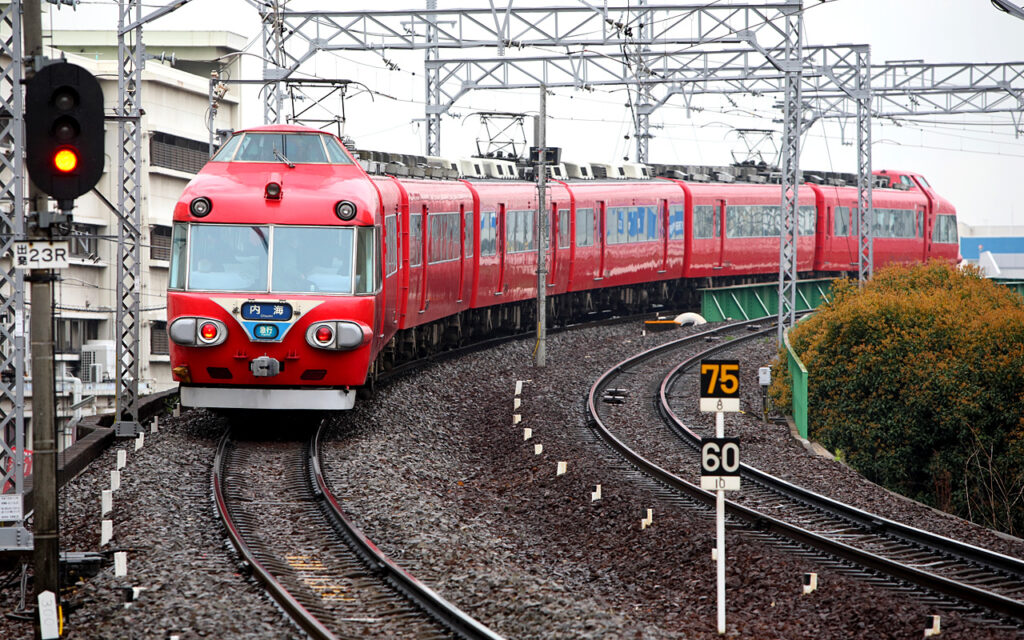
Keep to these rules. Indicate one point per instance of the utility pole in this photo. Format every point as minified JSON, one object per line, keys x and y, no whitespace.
{"x":44,"y":429}
{"x":540,"y":165}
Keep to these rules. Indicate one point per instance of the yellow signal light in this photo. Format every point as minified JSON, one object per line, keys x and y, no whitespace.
{"x":65,"y":160}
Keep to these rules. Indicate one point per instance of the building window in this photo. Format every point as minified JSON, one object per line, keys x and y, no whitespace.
{"x":158,"y":339}
{"x":72,"y":333}
{"x":175,"y":152}
{"x":160,"y":243}
{"x":84,"y":241}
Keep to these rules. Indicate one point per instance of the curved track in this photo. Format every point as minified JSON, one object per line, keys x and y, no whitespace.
{"x":968,"y":574}
{"x":329,"y":577}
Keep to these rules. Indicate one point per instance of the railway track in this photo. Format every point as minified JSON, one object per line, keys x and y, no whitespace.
{"x":955,"y":574}
{"x":325,"y":573}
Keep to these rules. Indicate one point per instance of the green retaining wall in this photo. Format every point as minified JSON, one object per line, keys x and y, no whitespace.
{"x":745,"y":302}
{"x":798,"y":374}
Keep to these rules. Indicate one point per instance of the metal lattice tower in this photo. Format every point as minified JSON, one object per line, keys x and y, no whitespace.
{"x":791,"y":65}
{"x":644,"y":99}
{"x":12,"y":284}
{"x":129,"y":237}
{"x":865,"y":209}
{"x":433,"y":85}
{"x":273,"y":54}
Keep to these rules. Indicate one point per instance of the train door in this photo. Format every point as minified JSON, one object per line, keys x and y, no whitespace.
{"x":602,"y":243}
{"x":663,"y":230}
{"x":424,"y":259}
{"x":554,"y":242}
{"x":719,"y":231}
{"x":500,"y":243}
{"x":924,"y":217}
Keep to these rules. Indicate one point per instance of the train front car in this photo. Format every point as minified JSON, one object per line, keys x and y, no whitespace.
{"x":275,"y":275}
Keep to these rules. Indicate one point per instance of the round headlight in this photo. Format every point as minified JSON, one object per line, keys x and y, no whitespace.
{"x":345,"y":210}
{"x":273,"y":191}
{"x":200,"y":207}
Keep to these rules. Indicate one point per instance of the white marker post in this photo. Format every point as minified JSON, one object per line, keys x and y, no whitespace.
{"x":720,"y":458}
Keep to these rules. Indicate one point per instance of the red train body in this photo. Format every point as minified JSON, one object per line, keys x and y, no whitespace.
{"x":296,"y":276}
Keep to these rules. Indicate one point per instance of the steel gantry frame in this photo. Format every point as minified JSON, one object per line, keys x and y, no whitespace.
{"x":618,"y":28}
{"x":129,"y":237}
{"x":14,"y":536}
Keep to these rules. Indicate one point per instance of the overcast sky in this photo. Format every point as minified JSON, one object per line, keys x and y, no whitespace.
{"x":975,"y":161}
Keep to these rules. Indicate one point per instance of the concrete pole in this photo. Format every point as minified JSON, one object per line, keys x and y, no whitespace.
{"x":542,"y":236}
{"x":44,"y":433}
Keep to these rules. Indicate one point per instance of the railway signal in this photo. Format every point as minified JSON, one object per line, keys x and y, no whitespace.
{"x":64,"y":131}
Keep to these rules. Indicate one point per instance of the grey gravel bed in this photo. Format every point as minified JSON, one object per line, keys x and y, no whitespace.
{"x":436,"y":472}
{"x":163,"y":517}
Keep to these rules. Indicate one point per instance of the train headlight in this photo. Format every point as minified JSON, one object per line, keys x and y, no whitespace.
{"x":198,"y":332}
{"x":200,"y":207}
{"x":273,"y":191}
{"x":337,"y":335}
{"x":345,"y":210}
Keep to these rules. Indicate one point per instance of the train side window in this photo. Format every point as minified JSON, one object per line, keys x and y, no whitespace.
{"x":807,"y":219}
{"x":488,"y":233}
{"x":468,"y":248}
{"x":179,"y":256}
{"x":563,"y":228}
{"x":945,"y":230}
{"x":841,"y":222}
{"x":704,"y":221}
{"x":415,"y":240}
{"x":366,"y":261}
{"x":584,"y":227}
{"x":677,"y":221}
{"x":391,"y":244}
{"x":335,"y":154}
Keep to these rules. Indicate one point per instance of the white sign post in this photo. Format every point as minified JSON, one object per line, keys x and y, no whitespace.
{"x":720,"y":456}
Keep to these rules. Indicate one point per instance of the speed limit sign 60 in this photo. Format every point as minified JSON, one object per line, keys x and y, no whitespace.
{"x":720,"y":464}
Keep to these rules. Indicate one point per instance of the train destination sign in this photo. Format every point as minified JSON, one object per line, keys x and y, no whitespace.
{"x":720,"y":385}
{"x":720,"y":464}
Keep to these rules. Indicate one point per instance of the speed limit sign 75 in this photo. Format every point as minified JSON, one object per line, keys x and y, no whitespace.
{"x":720,"y":464}
{"x":719,"y":385}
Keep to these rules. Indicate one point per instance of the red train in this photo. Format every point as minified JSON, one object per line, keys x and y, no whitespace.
{"x":296,"y":276}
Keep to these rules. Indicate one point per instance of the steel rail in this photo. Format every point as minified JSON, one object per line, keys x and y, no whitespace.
{"x":762,"y":522}
{"x":309,"y":623}
{"x":461,"y":623}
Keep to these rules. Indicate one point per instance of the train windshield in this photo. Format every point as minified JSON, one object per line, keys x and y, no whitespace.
{"x":264,"y":259}
{"x":287,"y":148}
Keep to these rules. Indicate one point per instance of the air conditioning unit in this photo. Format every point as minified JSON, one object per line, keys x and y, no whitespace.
{"x":97,"y":361}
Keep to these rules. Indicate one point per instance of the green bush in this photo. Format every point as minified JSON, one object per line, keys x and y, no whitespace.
{"x":918,"y":379}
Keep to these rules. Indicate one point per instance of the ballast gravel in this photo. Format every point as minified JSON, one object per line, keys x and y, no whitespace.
{"x":437,"y":473}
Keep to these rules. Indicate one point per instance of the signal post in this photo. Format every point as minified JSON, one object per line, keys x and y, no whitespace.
{"x":720,"y":456}
{"x":64,"y":159}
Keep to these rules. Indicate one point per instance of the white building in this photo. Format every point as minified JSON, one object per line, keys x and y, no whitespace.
{"x":175,"y":144}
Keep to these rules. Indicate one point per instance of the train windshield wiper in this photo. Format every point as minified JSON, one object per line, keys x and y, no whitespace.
{"x":280,"y":156}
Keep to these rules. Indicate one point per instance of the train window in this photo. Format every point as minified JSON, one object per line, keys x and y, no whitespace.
{"x":563,"y":228}
{"x":584,"y":227}
{"x":907,"y":182}
{"x":519,"y":231}
{"x":894,"y":223}
{"x":920,"y":223}
{"x":488,"y":233}
{"x":923,"y":181}
{"x":807,"y":219}
{"x":841,"y":222}
{"x":366,"y":260}
{"x":468,"y":240}
{"x":296,"y":148}
{"x":310,"y":259}
{"x":415,"y":240}
{"x":391,"y":244}
{"x":945,"y":230}
{"x":179,"y":256}
{"x":228,"y":258}
{"x":227,"y":149}
{"x":444,"y":237}
{"x":703,"y":221}
{"x":677,"y":221}
{"x":335,"y":154}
